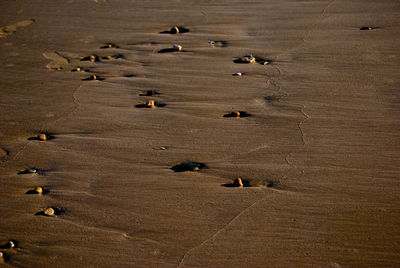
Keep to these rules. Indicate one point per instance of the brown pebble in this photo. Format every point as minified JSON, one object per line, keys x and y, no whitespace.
{"x":238,"y":182}
{"x":39,"y":190}
{"x":49,"y":212}
{"x":42,"y":137}
{"x":92,"y":58}
{"x":150,"y":104}
{"x":93,"y":77}
{"x":2,"y":259}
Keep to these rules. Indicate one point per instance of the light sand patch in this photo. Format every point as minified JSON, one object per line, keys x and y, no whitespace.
{"x":58,"y":62}
{"x":12,"y":28}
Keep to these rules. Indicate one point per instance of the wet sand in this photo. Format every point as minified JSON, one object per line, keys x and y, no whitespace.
{"x":320,"y":147}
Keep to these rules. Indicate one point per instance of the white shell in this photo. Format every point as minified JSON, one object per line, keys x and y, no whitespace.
{"x":237,"y":74}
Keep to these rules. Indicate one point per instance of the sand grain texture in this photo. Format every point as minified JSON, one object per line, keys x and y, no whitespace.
{"x":324,"y":126}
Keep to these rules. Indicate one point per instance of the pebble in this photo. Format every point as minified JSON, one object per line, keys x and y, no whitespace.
{"x":177,"y":47}
{"x":42,"y":137}
{"x":174,"y":30}
{"x":49,"y":212}
{"x":238,"y":182}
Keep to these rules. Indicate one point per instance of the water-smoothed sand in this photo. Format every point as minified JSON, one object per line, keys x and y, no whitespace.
{"x":321,"y":144}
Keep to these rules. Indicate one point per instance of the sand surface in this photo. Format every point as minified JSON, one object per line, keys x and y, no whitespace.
{"x":321,"y":147}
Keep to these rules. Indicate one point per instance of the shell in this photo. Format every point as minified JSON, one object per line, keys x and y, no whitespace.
{"x":49,"y":212}
{"x":238,"y":182}
{"x":174,"y":30}
{"x":39,"y":190}
{"x":150,"y":104}
{"x":42,"y":137}
{"x":177,"y":47}
{"x":237,"y":74}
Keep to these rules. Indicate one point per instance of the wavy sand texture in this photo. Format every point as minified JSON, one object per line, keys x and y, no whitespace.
{"x":145,"y":187}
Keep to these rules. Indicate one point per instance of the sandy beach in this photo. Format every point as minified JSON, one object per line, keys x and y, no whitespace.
{"x":310,"y":124}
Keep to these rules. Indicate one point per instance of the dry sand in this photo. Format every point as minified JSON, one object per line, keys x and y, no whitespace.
{"x":322,"y":139}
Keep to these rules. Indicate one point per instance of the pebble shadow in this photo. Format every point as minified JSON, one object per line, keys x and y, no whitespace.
{"x":189,"y":166}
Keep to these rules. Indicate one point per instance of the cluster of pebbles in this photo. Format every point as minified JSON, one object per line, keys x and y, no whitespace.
{"x":151,"y":104}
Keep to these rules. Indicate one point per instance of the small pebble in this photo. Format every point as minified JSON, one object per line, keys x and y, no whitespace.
{"x":10,"y":244}
{"x":177,"y":47}
{"x":150,"y":104}
{"x":2,"y":259}
{"x":248,"y":59}
{"x":237,"y":74}
{"x":174,"y":30}
{"x":93,"y":77}
{"x":39,"y":190}
{"x":235,"y":114}
{"x":238,"y":182}
{"x":49,"y":212}
{"x":42,"y":137}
